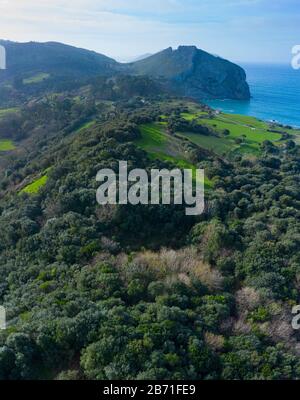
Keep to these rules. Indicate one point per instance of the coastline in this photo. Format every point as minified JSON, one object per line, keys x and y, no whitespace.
{"x":275,"y":95}
{"x":228,"y":106}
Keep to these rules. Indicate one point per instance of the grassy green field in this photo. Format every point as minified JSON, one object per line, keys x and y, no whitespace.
{"x":161,"y":146}
{"x":220,"y":146}
{"x":35,"y":186}
{"x":152,"y":137}
{"x":5,"y":111}
{"x":237,"y":129}
{"x":6,"y":145}
{"x":36,"y":78}
{"x":251,"y":131}
{"x":234,"y":134}
{"x":86,"y":125}
{"x":193,"y":115}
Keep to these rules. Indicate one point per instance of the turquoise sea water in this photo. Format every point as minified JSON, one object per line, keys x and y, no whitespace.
{"x":275,"y":91}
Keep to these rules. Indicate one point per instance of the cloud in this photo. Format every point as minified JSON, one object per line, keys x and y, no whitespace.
{"x":235,"y":29}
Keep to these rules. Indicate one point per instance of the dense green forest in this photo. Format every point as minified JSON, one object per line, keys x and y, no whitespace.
{"x":145,"y":292}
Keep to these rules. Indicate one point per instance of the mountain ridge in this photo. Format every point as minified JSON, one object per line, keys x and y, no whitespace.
{"x":53,"y":55}
{"x":186,"y":71}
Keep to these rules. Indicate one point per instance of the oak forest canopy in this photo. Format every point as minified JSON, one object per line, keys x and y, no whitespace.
{"x":143,"y":292}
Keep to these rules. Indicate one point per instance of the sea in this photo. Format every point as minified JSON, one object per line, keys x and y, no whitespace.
{"x":275,"y":91}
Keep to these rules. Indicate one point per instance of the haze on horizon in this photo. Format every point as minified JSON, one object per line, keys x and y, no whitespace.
{"x":239,"y":30}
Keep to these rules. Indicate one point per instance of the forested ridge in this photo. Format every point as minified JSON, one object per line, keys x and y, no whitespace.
{"x":143,"y":292}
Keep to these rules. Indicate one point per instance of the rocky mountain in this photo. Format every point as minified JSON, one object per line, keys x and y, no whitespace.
{"x":196,"y":73}
{"x":186,"y":71}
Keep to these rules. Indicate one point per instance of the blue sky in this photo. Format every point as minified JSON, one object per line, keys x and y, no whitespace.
{"x":240,"y":30}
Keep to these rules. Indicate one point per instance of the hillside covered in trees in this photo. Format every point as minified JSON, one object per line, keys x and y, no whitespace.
{"x":145,"y":292}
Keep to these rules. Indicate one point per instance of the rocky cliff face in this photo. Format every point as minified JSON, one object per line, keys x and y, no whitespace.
{"x":195,"y":73}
